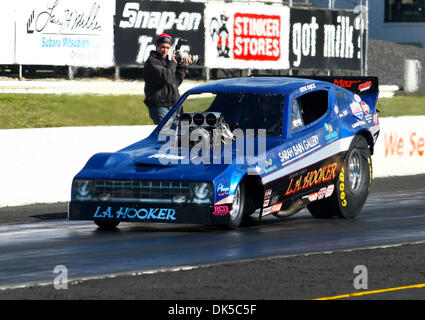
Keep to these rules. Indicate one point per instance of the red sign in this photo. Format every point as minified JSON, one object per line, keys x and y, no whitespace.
{"x":256,"y":37}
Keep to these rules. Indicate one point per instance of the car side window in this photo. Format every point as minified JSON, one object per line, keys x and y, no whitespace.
{"x":313,"y":105}
{"x":343,"y":99}
{"x":296,"y":117}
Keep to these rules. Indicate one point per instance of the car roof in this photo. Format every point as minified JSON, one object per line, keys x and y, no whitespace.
{"x":273,"y":85}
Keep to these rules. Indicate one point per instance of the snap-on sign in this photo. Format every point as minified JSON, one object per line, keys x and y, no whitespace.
{"x":256,"y":37}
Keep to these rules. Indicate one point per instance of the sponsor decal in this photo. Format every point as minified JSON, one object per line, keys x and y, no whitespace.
{"x":329,"y":190}
{"x":222,"y":191}
{"x":266,"y":203}
{"x":375,"y":118}
{"x":136,"y":214}
{"x":368,"y":118}
{"x":268,"y":193}
{"x":342,"y":198}
{"x":274,"y":208}
{"x":365,"y":86}
{"x":365,"y":107}
{"x":269,"y":163}
{"x":299,"y":149}
{"x":312,"y":178}
{"x":256,"y":37}
{"x":325,"y":192}
{"x":166,"y":156}
{"x":343,"y":113}
{"x":357,"y":98}
{"x":221,"y":210}
{"x":336,"y":109}
{"x":227,"y":200}
{"x":332,"y":135}
{"x":348,"y":84}
{"x":308,"y":87}
{"x":270,"y":169}
{"x":269,"y":166}
{"x":369,"y":162}
{"x":356,"y":109}
{"x":358,"y":124}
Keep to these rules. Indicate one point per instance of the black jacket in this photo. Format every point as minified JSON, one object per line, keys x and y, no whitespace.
{"x":162,"y":78}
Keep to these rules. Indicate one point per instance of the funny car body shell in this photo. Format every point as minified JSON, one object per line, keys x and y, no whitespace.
{"x":141,"y":183}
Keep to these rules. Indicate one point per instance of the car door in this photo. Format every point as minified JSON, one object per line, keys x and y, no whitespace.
{"x":312,"y":128}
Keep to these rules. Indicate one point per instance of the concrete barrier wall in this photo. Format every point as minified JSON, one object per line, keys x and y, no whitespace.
{"x":37,"y":165}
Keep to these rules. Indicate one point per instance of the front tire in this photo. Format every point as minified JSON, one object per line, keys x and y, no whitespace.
{"x":351,"y":187}
{"x":237,"y":213}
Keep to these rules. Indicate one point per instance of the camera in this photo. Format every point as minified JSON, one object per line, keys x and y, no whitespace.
{"x":180,"y":55}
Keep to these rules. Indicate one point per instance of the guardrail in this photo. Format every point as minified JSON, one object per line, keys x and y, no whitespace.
{"x":37,"y":165}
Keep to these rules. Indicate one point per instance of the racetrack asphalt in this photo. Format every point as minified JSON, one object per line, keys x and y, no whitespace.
{"x":304,"y":276}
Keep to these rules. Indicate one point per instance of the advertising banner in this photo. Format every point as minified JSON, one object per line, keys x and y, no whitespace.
{"x":65,"y":32}
{"x":400,"y":149}
{"x":139,"y":22}
{"x":325,"y":39}
{"x":7,"y":34}
{"x":246,"y":36}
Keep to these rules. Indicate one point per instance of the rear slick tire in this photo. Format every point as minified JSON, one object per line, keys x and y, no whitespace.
{"x":352,"y":186}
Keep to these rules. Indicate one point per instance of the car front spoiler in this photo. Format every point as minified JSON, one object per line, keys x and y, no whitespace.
{"x":144,"y":212}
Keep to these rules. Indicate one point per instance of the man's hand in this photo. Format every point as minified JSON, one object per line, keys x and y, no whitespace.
{"x":186,"y":61}
{"x":173,"y":58}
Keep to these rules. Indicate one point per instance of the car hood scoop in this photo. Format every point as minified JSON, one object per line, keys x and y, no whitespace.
{"x":156,"y":160}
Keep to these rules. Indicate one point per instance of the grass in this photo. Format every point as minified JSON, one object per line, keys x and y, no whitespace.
{"x":406,"y":105}
{"x":49,"y":110}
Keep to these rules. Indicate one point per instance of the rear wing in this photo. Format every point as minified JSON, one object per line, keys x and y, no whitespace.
{"x":359,"y":85}
{"x":366,"y":87}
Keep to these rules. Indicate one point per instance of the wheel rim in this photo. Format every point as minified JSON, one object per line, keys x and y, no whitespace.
{"x":235,"y":205}
{"x":355,"y":171}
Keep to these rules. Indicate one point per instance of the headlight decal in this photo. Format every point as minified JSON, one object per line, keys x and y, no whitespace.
{"x":202,"y":192}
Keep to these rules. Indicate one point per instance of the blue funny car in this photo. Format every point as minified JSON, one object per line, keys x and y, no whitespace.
{"x":278,"y":144}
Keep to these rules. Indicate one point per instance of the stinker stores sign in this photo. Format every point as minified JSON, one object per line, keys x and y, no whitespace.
{"x":242,"y":36}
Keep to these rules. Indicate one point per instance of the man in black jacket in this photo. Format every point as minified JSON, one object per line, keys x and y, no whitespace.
{"x":162,"y":78}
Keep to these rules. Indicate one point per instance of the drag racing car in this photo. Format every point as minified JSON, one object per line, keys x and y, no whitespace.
{"x":271,"y":145}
